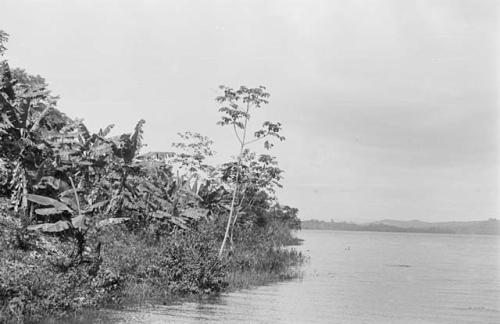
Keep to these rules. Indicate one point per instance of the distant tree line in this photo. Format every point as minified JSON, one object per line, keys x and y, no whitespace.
{"x":491,"y":227}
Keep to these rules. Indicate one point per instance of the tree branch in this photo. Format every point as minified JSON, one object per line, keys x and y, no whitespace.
{"x":237,"y":135}
{"x":258,"y":139}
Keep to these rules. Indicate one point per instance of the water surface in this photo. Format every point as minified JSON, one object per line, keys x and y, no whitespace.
{"x":362,"y":277}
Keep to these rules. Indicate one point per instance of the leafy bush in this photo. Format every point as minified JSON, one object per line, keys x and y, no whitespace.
{"x":185,"y":262}
{"x":33,"y":284}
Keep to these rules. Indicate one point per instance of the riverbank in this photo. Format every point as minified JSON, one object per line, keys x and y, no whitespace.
{"x":86,"y":220}
{"x":38,"y":280}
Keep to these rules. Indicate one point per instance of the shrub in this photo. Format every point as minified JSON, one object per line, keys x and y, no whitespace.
{"x":33,"y":284}
{"x":185,"y":262}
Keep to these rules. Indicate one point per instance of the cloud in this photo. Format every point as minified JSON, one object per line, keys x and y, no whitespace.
{"x":389,"y":107}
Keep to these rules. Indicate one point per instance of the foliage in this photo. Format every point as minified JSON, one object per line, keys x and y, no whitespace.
{"x":83,"y":215}
{"x":37,"y":281}
{"x":235,"y":109}
{"x":4,"y":37}
{"x":185,"y":262}
{"x":193,"y":149}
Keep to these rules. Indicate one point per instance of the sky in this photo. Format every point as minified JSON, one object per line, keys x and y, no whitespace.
{"x":389,"y":107}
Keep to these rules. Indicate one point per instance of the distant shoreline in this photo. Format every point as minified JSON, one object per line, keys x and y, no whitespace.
{"x":487,"y":227}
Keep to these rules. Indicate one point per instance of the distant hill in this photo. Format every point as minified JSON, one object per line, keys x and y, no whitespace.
{"x":489,"y":227}
{"x":405,"y":224}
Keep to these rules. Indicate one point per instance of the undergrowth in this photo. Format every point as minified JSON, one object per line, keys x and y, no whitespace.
{"x":133,"y":269}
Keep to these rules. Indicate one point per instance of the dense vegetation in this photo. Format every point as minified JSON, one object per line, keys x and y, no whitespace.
{"x":85,"y":219}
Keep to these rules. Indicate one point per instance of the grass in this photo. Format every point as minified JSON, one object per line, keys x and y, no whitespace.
{"x":136,"y":269}
{"x":248,"y":279}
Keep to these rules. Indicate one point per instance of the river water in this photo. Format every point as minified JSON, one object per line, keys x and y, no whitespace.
{"x":362,"y":277}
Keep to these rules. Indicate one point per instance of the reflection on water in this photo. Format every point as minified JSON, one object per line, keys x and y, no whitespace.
{"x":362,"y":277}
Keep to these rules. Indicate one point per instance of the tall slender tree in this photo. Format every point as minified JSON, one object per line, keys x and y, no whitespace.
{"x":236,"y":106}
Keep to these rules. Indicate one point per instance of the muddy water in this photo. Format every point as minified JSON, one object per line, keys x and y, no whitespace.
{"x":361,"y":277}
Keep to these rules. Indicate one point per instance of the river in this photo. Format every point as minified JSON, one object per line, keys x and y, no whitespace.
{"x":361,"y":277}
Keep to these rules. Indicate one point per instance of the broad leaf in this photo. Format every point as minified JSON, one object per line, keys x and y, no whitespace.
{"x":112,"y":221}
{"x":70,"y":201}
{"x":46,"y":201}
{"x":195,"y":213}
{"x":51,"y":227}
{"x":69,"y":192}
{"x":179,"y":222}
{"x":161,"y":214}
{"x":47,"y":211}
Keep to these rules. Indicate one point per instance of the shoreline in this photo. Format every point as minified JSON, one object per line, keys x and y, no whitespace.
{"x":120,"y":282}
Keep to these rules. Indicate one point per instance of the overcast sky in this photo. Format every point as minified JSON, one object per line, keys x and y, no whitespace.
{"x":390,"y":107}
